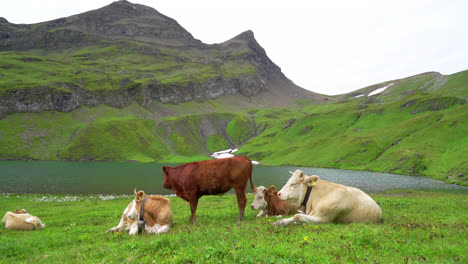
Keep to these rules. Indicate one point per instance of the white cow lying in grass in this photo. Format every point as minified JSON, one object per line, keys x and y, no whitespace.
{"x":328,"y":202}
{"x":21,"y":220}
{"x":156,"y":213}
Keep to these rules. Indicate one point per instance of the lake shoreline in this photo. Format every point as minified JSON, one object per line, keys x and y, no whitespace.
{"x":60,"y":177}
{"x":458,"y":183}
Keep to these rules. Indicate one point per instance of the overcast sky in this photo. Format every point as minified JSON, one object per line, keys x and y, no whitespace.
{"x":329,"y":47}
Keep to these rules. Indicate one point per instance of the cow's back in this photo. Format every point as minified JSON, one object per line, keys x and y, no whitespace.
{"x":216,"y":176}
{"x":240,"y":169}
{"x":158,"y":211}
{"x":365,"y":209}
{"x":233,"y":167}
{"x":18,"y":222}
{"x":349,"y":204}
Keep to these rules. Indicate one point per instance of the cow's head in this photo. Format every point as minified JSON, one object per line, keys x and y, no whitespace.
{"x":269,"y":194}
{"x":259,"y":202}
{"x":295,"y":188}
{"x":134,"y":212}
{"x":166,"y":180}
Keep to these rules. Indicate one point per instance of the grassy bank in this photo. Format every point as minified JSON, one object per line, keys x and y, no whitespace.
{"x":427,"y":227}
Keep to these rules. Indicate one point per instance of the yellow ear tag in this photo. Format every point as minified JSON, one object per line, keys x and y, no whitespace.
{"x":313,"y":183}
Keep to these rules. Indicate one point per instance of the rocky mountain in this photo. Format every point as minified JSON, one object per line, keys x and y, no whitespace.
{"x":124,"y":53}
{"x":120,"y":19}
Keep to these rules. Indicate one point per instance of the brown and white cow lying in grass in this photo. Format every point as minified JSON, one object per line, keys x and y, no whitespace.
{"x":156,"y":213}
{"x":21,"y":220}
{"x":328,"y":202}
{"x":268,"y":202}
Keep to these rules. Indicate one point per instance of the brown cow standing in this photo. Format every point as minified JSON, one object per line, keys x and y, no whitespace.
{"x":195,"y":179}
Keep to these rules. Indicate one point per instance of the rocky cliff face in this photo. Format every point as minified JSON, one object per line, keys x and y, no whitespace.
{"x":188,"y":69}
{"x":45,"y":98}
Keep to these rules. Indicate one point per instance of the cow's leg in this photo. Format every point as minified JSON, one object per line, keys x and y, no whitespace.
{"x":284,"y":222}
{"x":133,"y":229}
{"x":121,"y":225}
{"x":301,"y":218}
{"x":262,"y":212}
{"x":193,"y":209}
{"x":241,"y":202}
{"x":156,"y":229}
{"x":163,"y":229}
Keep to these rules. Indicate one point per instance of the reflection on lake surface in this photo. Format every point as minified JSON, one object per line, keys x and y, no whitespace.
{"x":121,"y":178}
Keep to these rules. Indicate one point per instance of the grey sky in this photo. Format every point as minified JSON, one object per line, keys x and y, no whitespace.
{"x":329,"y":47}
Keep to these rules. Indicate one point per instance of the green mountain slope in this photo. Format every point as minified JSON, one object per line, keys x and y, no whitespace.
{"x":403,"y":131}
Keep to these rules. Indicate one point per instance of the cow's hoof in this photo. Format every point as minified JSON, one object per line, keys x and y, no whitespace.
{"x":280,"y":223}
{"x":112,"y":230}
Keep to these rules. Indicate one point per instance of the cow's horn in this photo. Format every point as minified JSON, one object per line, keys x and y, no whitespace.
{"x":291,"y":172}
{"x":134,"y":191}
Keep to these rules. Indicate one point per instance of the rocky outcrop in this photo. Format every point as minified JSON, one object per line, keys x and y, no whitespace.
{"x":66,"y":97}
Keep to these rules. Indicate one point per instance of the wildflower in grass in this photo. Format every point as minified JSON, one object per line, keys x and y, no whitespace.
{"x":306,"y":238}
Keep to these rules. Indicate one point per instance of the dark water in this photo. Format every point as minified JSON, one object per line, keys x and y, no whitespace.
{"x":121,"y":178}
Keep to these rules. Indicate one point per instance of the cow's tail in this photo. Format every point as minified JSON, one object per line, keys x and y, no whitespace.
{"x":251,"y":185}
{"x":250,"y":176}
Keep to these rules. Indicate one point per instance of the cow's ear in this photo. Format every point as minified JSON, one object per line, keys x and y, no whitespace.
{"x":139,"y":196}
{"x":164,"y":169}
{"x":312,"y":180}
{"x":271,"y":189}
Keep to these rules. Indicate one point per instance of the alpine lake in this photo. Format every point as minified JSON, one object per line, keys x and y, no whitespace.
{"x":59,"y":177}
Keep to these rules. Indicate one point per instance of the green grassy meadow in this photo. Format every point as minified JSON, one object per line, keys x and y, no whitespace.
{"x":418,"y":227}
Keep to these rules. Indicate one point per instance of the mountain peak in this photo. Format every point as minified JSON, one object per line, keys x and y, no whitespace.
{"x":127,"y":9}
{"x":140,"y":22}
{"x":244,"y":40}
{"x":246,"y":35}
